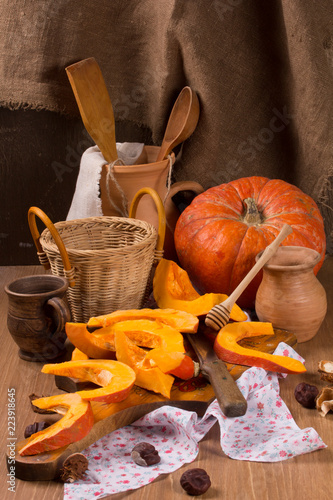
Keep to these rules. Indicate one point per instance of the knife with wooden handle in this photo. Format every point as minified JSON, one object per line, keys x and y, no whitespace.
{"x":228,"y":395}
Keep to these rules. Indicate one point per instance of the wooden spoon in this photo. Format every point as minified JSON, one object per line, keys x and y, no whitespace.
{"x":182,"y":121}
{"x":94,"y":104}
{"x":219,"y":315}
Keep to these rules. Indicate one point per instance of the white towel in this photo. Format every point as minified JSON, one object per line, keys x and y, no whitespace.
{"x":86,"y":201}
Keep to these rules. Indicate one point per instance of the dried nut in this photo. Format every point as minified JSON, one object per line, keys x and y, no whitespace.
{"x":306,"y":394}
{"x":145,"y":454}
{"x":35,"y":427}
{"x":195,"y":481}
{"x":325,"y":369}
{"x":324,"y":401}
{"x":74,"y":467}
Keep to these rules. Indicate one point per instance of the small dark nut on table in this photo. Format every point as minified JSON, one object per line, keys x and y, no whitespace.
{"x":35,"y":427}
{"x":305,"y":394}
{"x":195,"y":481}
{"x":145,"y":454}
{"x":74,"y":467}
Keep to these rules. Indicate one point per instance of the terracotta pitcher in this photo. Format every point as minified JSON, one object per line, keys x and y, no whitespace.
{"x":119,"y":187}
{"x":290,"y":296}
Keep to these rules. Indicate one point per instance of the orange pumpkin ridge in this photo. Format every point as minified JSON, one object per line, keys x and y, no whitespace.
{"x":217,"y":242}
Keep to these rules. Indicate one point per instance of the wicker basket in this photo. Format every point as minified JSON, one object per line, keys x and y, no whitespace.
{"x":107,"y":260}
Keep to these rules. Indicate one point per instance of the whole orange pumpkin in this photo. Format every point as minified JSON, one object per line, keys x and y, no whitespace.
{"x":219,"y":234}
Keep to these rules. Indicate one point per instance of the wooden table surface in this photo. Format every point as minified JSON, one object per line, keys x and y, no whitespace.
{"x":304,"y":477}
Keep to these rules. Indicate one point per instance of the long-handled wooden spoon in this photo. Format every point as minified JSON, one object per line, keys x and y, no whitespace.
{"x":94,"y":104}
{"x":219,"y":315}
{"x":182,"y":121}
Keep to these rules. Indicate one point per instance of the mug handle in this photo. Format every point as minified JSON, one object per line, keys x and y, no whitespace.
{"x":62,"y":311}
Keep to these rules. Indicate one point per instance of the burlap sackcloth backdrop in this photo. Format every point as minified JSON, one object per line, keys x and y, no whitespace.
{"x":263,"y":71}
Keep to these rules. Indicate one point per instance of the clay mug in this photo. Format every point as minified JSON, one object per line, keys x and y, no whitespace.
{"x":290,"y":296}
{"x":37,"y":315}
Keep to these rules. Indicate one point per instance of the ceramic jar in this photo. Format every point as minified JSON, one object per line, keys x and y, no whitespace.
{"x":290,"y":296}
{"x":119,"y":189}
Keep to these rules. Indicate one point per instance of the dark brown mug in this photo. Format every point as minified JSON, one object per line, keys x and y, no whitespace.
{"x":37,"y":315}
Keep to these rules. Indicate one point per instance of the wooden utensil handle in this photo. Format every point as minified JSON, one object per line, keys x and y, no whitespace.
{"x":267,"y":254}
{"x":228,"y":395}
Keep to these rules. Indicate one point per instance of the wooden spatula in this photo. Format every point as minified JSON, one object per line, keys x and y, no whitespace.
{"x":94,"y":104}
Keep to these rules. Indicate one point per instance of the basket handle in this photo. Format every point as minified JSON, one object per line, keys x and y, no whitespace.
{"x":32,"y":213}
{"x":161,"y":216}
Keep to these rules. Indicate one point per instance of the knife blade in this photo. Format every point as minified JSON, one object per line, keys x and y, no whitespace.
{"x":228,"y":395}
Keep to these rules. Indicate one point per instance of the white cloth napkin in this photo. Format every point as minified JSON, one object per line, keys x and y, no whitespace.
{"x":266,"y":433}
{"x":86,"y":201}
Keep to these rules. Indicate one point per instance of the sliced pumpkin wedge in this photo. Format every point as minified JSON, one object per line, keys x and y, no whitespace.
{"x":116,"y":378}
{"x":227,"y":348}
{"x":87,"y":343}
{"x":177,"y":364}
{"x":148,"y":375}
{"x":143,"y":332}
{"x":77,"y":354}
{"x":180,"y":320}
{"x":76,"y":423}
{"x":172,"y":288}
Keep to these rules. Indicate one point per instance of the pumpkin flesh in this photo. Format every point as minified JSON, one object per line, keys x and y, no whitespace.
{"x":148,"y":375}
{"x":84,"y":341}
{"x":116,"y":379}
{"x":143,"y":332}
{"x":177,"y":364}
{"x":180,"y":320}
{"x":218,"y":236}
{"x":76,"y":423}
{"x":227,"y":348}
{"x":172,"y":288}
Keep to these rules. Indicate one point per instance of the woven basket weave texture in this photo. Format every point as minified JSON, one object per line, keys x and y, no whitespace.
{"x":112,"y":258}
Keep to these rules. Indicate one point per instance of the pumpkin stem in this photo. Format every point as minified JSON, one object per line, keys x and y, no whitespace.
{"x":252,"y":215}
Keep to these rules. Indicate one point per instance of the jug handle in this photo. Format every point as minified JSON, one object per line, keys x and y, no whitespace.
{"x":172,"y":212}
{"x":184,"y":186}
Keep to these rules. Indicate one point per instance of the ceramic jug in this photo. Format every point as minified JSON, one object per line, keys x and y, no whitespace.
{"x":119,"y":187}
{"x":289,"y":295}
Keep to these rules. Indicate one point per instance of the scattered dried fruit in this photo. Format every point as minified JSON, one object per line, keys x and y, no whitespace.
{"x":195,"y":481}
{"x":35,"y":427}
{"x":145,"y":454}
{"x":306,"y":394}
{"x":324,"y":402}
{"x":325,"y":369}
{"x":74,"y":467}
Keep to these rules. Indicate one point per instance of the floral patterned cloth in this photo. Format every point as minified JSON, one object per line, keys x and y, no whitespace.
{"x":266,"y":433}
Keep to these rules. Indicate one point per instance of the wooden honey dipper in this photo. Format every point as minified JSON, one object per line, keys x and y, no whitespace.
{"x":219,"y":315}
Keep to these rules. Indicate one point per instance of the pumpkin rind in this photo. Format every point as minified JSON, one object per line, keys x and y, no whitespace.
{"x":116,"y":379}
{"x":228,"y":350}
{"x":172,"y":288}
{"x":217,"y":244}
{"x":73,"y":426}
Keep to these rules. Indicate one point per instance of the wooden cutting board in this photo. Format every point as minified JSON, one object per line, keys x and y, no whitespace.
{"x":193,"y":395}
